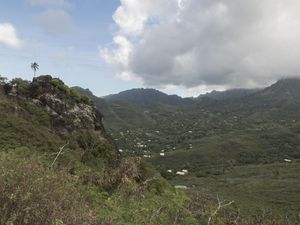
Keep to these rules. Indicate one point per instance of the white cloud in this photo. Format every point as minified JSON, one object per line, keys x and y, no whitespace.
{"x":130,"y":19}
{"x":119,"y":55}
{"x":127,"y":76}
{"x":211,"y":43}
{"x":188,"y":92}
{"x":132,"y":16}
{"x":8,"y":36}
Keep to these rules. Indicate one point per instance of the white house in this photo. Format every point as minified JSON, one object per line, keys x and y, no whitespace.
{"x":180,"y":173}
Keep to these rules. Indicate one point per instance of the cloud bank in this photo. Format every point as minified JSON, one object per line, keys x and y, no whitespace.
{"x":8,"y":36}
{"x":194,"y":43}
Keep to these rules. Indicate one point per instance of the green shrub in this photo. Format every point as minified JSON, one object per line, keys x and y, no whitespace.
{"x":33,"y":194}
{"x":23,"y":151}
{"x":77,"y":97}
{"x":94,"y":149}
{"x":60,"y":85}
{"x":22,"y":87}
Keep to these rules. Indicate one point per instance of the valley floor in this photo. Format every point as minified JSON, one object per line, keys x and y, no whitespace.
{"x":270,"y":187}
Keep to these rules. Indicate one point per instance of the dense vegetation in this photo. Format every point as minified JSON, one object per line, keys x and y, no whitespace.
{"x":240,"y":144}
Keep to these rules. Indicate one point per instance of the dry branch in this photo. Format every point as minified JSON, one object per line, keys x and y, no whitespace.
{"x":221,"y":204}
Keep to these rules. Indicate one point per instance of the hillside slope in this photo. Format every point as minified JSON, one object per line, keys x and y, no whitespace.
{"x":59,"y":166}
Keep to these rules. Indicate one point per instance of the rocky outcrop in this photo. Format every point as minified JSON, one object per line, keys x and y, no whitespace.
{"x":68,"y":113}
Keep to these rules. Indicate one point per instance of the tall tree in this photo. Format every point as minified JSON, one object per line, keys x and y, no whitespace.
{"x":34,"y":66}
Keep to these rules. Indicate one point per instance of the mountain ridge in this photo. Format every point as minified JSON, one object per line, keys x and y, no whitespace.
{"x":147,"y":97}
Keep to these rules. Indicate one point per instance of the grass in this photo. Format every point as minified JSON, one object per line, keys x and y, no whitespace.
{"x":31,"y":193}
{"x":271,"y":187}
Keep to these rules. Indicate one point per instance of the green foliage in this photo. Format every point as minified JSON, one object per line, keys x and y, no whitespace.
{"x":150,"y":208}
{"x":2,"y":80}
{"x":21,"y":87}
{"x":78,"y":97}
{"x":35,"y":66}
{"x":70,"y":91}
{"x":32,"y":194}
{"x":7,"y":88}
{"x":38,"y":114}
{"x":17,"y":131}
{"x":23,"y":151}
{"x":60,"y":85}
{"x":94,"y":149}
{"x":147,"y":170}
{"x":204,"y":206}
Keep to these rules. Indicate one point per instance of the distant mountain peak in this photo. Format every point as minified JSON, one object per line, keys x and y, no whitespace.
{"x":147,"y":97}
{"x":287,"y":82}
{"x":228,"y":94}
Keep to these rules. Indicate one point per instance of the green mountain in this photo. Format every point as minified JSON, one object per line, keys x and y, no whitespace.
{"x":244,"y":146}
{"x":58,"y":165}
{"x":228,"y":94}
{"x":147,"y":97}
{"x":119,"y":114}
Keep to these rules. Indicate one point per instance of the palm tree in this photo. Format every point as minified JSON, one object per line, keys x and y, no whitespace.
{"x":34,"y":67}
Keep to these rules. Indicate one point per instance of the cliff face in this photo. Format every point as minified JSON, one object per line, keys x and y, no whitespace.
{"x":64,"y":115}
{"x":69,"y":111}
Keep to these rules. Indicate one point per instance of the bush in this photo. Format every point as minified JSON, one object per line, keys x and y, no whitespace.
{"x":70,"y":91}
{"x":22,"y":87}
{"x":95,"y":149}
{"x":33,"y":194}
{"x":7,"y":88}
{"x":2,"y":80}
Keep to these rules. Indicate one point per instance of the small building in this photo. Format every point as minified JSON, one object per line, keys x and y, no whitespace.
{"x":180,"y":173}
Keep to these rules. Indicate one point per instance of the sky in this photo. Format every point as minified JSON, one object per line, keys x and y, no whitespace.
{"x":184,"y":47}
